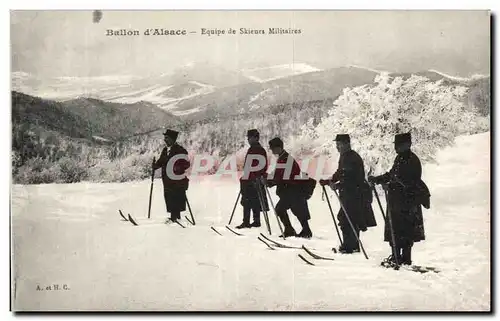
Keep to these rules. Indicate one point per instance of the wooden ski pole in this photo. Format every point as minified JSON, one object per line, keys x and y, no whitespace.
{"x":272,"y":205}
{"x":350,"y":223}
{"x":151,"y":188}
{"x":234,"y":208}
{"x":333,"y":215}
{"x":190,"y":212}
{"x":262,"y":203}
{"x":374,"y":190}
{"x":393,"y":237}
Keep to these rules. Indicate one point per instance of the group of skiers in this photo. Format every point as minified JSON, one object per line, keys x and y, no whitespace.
{"x":405,"y":192}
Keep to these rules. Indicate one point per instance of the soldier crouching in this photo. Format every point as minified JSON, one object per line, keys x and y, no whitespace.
{"x":291,"y":190}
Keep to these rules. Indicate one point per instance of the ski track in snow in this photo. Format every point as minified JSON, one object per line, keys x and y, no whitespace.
{"x":72,"y":234}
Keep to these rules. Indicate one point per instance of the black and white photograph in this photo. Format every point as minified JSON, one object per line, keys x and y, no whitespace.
{"x":250,"y":160}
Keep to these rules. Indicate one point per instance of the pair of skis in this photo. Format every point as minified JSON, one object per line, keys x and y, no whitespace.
{"x":228,"y":228}
{"x":262,"y":198}
{"x":263,"y":238}
{"x":272,"y":244}
{"x":130,"y":219}
{"x":414,"y":268}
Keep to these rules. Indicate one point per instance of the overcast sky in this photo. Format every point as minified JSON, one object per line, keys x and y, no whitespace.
{"x":68,"y":43}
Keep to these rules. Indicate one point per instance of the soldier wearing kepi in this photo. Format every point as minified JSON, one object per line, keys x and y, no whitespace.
{"x":291,"y":190}
{"x":173,"y":162}
{"x":354,"y":193}
{"x":406,"y":194}
{"x":251,"y":187}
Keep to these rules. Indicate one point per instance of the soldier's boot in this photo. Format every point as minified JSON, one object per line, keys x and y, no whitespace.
{"x":306,"y":230}
{"x":174,"y":216}
{"x":348,"y":246}
{"x":246,"y":218}
{"x":256,"y":219}
{"x":399,"y":250}
{"x":390,"y":261}
{"x":397,"y":256}
{"x":357,"y":248}
{"x":406,"y":257}
{"x":289,"y":230}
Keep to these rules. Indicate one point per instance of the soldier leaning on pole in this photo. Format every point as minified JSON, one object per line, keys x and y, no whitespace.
{"x":354,"y":193}
{"x":291,"y":189}
{"x":251,"y":187}
{"x":173,"y":162}
{"x":406,"y":193}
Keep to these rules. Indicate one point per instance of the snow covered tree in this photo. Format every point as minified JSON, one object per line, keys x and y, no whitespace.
{"x":434,"y":113}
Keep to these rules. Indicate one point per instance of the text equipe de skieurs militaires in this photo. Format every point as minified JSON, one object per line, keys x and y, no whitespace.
{"x":209,"y":32}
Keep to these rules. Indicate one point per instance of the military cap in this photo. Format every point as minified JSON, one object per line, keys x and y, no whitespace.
{"x":402,"y":138}
{"x":275,"y":142}
{"x":171,"y":133}
{"x":343,"y":138}
{"x":253,"y":132}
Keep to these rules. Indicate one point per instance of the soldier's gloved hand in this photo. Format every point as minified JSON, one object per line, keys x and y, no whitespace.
{"x":255,"y":182}
{"x":335,"y":186}
{"x":324,"y":182}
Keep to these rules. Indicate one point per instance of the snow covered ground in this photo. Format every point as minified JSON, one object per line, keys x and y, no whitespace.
{"x":72,"y":234}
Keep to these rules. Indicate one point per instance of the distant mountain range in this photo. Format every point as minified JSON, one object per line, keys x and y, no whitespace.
{"x":197,"y":91}
{"x":87,"y":118}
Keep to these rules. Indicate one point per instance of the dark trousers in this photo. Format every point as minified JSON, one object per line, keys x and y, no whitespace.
{"x":175,"y":202}
{"x":175,"y":215}
{"x":350,"y":240}
{"x":403,"y":254}
{"x":298,"y":207}
{"x":246,"y":214}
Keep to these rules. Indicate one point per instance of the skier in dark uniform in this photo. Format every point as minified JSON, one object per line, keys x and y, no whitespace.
{"x":354,"y":193}
{"x":251,"y":187}
{"x":173,"y":162}
{"x":291,"y":190}
{"x":406,"y":194}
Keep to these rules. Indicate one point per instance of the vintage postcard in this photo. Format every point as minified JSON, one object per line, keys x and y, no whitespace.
{"x":250,"y":161}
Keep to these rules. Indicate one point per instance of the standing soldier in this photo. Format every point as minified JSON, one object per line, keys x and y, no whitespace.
{"x":406,"y":194}
{"x":173,"y":162}
{"x":251,"y":187}
{"x":290,"y":187}
{"x":354,"y":193}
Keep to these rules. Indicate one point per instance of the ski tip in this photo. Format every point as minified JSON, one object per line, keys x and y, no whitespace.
{"x":121,"y":214}
{"x":179,"y":223}
{"x":132,"y":220}
{"x":233,"y":231}
{"x":213,"y":229}
{"x":268,"y":246}
{"x":305,"y":260}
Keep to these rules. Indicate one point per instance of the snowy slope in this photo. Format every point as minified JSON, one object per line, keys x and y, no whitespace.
{"x":264,"y":74}
{"x":460,"y":79}
{"x":64,"y":88}
{"x":72,"y":234}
